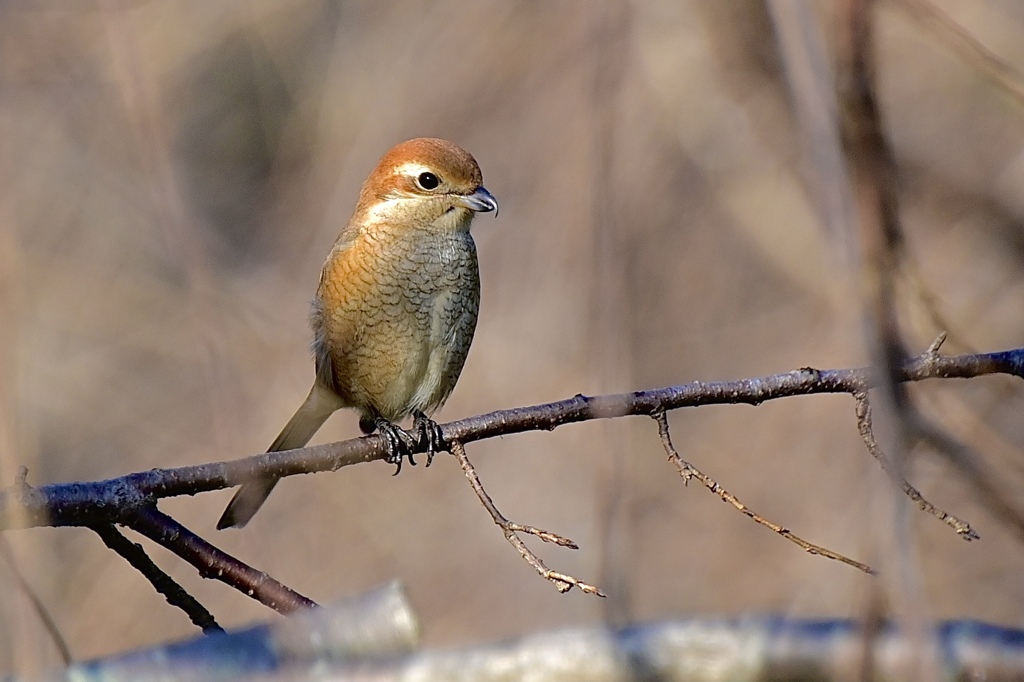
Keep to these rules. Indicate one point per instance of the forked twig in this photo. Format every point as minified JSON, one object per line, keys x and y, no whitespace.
{"x":215,"y":563}
{"x":688,"y":471}
{"x":866,"y":429}
{"x":174,"y":593}
{"x":562,"y":582}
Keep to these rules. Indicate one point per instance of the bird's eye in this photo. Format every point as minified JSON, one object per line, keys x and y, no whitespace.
{"x":427,"y":181}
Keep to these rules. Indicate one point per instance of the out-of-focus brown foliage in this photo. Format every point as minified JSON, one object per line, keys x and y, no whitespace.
{"x":173,"y":175}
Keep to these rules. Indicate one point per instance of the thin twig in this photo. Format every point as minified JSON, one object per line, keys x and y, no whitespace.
{"x":562,"y":582}
{"x":688,"y":471}
{"x":214,"y":563}
{"x":866,"y":429}
{"x":174,"y":593}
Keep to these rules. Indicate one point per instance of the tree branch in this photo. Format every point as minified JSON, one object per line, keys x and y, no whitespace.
{"x":117,"y":500}
{"x":214,"y":563}
{"x":174,"y":593}
{"x":131,"y":500}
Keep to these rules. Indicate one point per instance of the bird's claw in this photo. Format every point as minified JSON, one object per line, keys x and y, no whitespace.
{"x":398,"y":442}
{"x":429,"y":435}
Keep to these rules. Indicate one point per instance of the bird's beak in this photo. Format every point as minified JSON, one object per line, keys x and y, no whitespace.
{"x":480,"y":201}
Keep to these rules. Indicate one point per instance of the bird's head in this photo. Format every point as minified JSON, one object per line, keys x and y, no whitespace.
{"x":424,"y":183}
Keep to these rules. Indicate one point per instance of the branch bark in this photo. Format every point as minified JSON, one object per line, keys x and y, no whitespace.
{"x":118,"y":500}
{"x":216,"y":564}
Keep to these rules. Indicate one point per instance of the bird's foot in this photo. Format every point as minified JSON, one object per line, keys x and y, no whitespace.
{"x":429,"y":435}
{"x":398,"y":441}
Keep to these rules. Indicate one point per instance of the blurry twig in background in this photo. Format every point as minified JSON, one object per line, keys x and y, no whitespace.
{"x":882,"y":246}
{"x":812,"y":92}
{"x":875,"y":179}
{"x":875,"y":175}
{"x":610,"y":342}
{"x":49,"y":624}
{"x":884,"y":255}
{"x":510,"y":530}
{"x":966,"y":45}
{"x":180,"y":230}
{"x":813,"y":99}
{"x":688,"y":471}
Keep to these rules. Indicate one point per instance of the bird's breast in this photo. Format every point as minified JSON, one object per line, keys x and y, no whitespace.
{"x":397,"y":318}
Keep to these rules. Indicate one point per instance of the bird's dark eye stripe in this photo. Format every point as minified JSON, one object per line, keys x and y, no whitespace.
{"x":427,"y":181}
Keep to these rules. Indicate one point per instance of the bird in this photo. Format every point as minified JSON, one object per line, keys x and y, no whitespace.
{"x":396,"y":307}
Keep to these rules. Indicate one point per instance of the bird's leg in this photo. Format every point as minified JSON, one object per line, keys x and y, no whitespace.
{"x":400,"y":442}
{"x":429,"y":433}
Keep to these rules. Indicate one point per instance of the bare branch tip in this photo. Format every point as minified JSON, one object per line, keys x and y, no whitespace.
{"x":968,"y":534}
{"x":563,"y":583}
{"x":545,"y":535}
{"x":933,"y":349}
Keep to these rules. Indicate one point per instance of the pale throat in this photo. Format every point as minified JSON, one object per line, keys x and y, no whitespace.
{"x":401,"y":209}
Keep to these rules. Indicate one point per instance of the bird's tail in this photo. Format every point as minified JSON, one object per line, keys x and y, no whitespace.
{"x":314,"y":411}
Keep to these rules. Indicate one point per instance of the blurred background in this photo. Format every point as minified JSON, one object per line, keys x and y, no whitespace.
{"x":174,"y":173}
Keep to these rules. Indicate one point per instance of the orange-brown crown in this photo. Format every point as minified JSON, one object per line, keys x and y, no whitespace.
{"x":400,"y":170}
